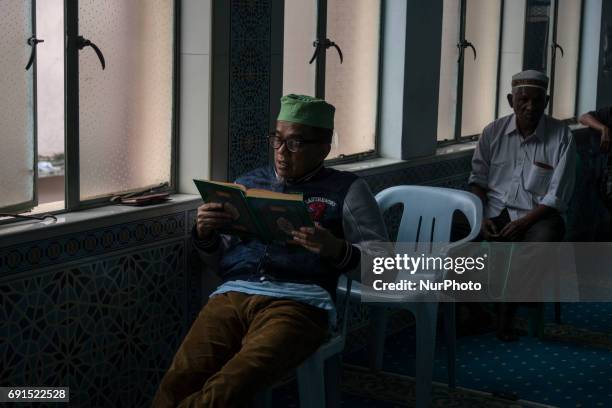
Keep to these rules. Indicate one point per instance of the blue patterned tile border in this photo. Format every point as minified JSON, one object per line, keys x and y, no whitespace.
{"x":71,"y":247}
{"x":451,"y":173}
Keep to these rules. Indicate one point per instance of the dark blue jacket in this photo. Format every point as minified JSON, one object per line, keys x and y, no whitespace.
{"x":324,"y":192}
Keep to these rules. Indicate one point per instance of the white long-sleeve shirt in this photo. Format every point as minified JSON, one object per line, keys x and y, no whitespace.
{"x":521,"y":173}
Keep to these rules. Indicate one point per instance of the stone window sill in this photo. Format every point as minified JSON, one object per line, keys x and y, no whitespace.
{"x":72,"y":222}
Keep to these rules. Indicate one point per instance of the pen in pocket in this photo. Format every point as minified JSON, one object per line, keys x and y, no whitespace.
{"x":543,"y":165}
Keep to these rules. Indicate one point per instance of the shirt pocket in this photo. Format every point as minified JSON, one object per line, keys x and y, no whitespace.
{"x":538,"y":180}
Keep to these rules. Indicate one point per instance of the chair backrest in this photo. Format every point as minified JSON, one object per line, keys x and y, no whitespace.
{"x":428,"y":213}
{"x":346,"y":304}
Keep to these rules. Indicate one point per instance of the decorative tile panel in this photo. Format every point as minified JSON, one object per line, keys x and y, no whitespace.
{"x":107,"y":328}
{"x":444,"y":173}
{"x":32,"y":317}
{"x":249,"y":112}
{"x":71,"y":247}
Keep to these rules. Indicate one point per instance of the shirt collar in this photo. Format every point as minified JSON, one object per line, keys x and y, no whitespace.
{"x":302,"y":179}
{"x":539,"y":133}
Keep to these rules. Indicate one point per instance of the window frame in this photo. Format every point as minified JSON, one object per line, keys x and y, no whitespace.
{"x":579,"y":67}
{"x":28,"y":205}
{"x":499,"y":57}
{"x":72,"y":198}
{"x":456,"y":137}
{"x":320,"y":74}
{"x":552,"y":61}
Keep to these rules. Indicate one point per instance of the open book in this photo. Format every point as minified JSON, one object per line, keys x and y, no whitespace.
{"x":268,"y":215}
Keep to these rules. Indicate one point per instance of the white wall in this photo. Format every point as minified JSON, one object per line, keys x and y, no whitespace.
{"x":587,"y":83}
{"x":392,"y":76}
{"x":566,"y":65}
{"x":480,"y":74}
{"x":512,"y":50}
{"x":194,"y":140}
{"x":447,"y":95}
{"x":299,"y":32}
{"x":50,"y":86}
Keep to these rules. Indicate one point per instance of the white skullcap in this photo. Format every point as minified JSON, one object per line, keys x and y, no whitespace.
{"x":530,"y":78}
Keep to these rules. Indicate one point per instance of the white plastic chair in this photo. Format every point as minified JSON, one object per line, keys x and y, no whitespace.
{"x":426,"y":219}
{"x":312,"y":377}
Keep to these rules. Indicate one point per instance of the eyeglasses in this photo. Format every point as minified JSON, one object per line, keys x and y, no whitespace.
{"x":293,"y":145}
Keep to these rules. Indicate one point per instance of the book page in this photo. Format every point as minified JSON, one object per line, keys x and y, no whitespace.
{"x":280,"y":217}
{"x":231,"y":185}
{"x":273,"y":195}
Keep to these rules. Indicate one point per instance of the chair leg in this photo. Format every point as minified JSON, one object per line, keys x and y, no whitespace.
{"x":378,"y":330}
{"x":450,"y":332}
{"x":333,"y":371}
{"x":311,"y":383}
{"x":536,"y":320}
{"x":426,"y":320}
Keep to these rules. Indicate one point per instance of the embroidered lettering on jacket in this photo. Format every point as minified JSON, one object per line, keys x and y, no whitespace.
{"x":317,"y":207}
{"x":321,"y":199}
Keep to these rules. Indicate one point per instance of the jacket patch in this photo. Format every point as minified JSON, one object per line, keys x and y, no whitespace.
{"x":317,"y":206}
{"x":316,"y":209}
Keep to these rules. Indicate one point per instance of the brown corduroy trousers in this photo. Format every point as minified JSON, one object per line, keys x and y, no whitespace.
{"x":239,"y":345}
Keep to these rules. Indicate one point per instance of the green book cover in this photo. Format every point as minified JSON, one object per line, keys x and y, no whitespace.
{"x":268,"y":215}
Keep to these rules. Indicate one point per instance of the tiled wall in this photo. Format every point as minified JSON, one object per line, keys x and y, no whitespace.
{"x":100,"y":311}
{"x":451,"y":172}
{"x":250,"y":46}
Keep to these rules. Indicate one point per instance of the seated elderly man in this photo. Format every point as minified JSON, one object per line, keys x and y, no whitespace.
{"x":274,"y":308}
{"x":523,"y":170}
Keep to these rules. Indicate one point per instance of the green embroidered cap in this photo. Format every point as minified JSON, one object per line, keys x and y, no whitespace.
{"x":307,"y":111}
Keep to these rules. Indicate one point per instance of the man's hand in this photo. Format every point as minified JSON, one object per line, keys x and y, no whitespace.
{"x":591,"y":121}
{"x":211,"y":216}
{"x":515,"y":230}
{"x":489,"y":230}
{"x":604,"y":143}
{"x":320,"y":241}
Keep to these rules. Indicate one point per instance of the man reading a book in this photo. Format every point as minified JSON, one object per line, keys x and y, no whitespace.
{"x":276,"y":302}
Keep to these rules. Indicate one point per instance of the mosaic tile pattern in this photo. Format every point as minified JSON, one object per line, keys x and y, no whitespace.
{"x":71,"y":247}
{"x":107,"y":329}
{"x":249,"y":85}
{"x":32,"y":312}
{"x":444,"y":173}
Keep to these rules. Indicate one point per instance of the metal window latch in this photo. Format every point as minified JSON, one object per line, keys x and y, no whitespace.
{"x":327,"y":43}
{"x":83,"y":42}
{"x":32,"y":42}
{"x":556,"y":46}
{"x":462,"y":46}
